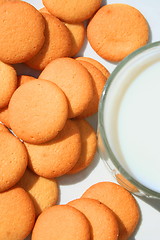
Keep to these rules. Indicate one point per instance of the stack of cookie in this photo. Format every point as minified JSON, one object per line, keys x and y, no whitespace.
{"x":105,"y":211}
{"x":44,"y":134}
{"x":44,"y":138}
{"x":58,"y":30}
{"x":47,"y":134}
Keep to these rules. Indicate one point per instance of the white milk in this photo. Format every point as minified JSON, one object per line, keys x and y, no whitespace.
{"x":132,"y":121}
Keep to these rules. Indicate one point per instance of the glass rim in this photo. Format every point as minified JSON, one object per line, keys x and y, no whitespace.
{"x":101,"y":129}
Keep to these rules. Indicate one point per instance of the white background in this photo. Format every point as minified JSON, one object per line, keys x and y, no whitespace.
{"x":72,"y":187}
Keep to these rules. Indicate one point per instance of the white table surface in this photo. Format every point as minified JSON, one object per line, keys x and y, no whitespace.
{"x":72,"y":187}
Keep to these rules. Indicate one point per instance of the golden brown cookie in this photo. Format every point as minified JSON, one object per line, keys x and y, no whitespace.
{"x":4,"y":117}
{"x":99,"y":81}
{"x":17,"y":214}
{"x":57,"y":43}
{"x":13,"y":160}
{"x":8,"y":83}
{"x":74,"y":80}
{"x":77,"y":32}
{"x":58,"y":156}
{"x":120,"y":201}
{"x":24,"y":79}
{"x":22,"y":40}
{"x":38,"y":111}
{"x":117,"y":30}
{"x":97,"y":64}
{"x":103,"y":221}
{"x":43,"y":191}
{"x":89,"y":144}
{"x":3,"y":128}
{"x":72,"y":11}
{"x":61,"y":222}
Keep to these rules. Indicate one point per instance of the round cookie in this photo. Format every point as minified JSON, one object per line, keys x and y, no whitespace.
{"x":4,"y":116}
{"x":99,"y":81}
{"x":43,"y":191}
{"x":8,"y":83}
{"x":88,"y":149}
{"x":103,"y":222}
{"x":58,"y":156}
{"x":117,"y":30}
{"x":61,"y":222}
{"x":13,"y":160}
{"x":97,"y":64}
{"x":120,"y":201}
{"x":57,"y":43}
{"x":3,"y":128}
{"x":77,"y":32}
{"x":74,"y":80}
{"x":72,"y":11}
{"x":38,"y":110}
{"x":18,"y":42}
{"x":24,"y":79}
{"x":17,"y":214}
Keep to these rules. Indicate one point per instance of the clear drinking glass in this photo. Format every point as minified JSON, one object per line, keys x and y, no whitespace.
{"x":135,"y":61}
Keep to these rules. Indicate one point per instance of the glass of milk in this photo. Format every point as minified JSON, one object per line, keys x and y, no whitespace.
{"x":129,"y":122}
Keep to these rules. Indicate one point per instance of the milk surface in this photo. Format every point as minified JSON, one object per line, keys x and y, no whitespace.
{"x":133,"y":125}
